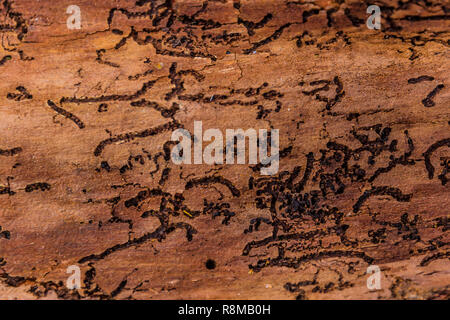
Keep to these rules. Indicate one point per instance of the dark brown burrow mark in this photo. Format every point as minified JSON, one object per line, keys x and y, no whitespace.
{"x":22,"y":95}
{"x":304,"y":222}
{"x":428,"y":101}
{"x":66,"y":114}
{"x":427,"y":155}
{"x":10,"y":152}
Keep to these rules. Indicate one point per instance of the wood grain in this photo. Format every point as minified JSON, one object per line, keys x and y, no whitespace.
{"x":86,"y":117}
